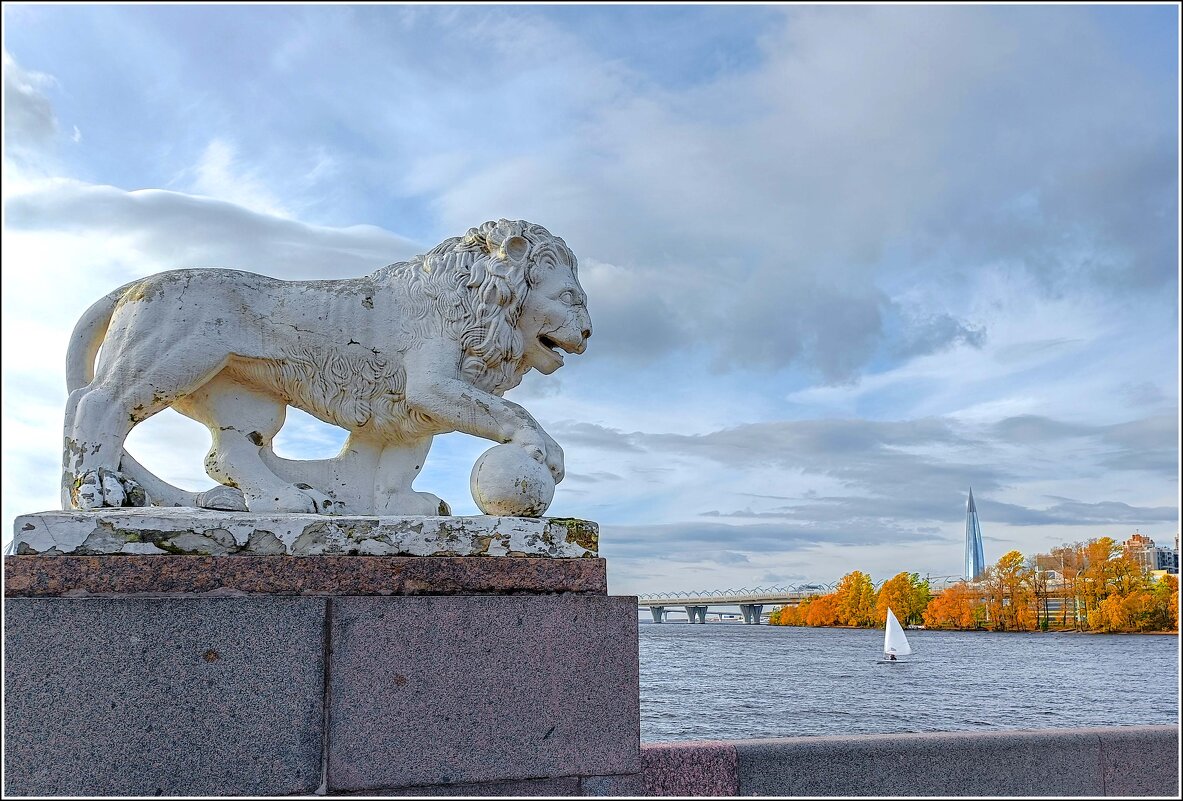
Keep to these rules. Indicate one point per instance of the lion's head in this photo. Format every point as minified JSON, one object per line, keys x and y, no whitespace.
{"x":508,"y":292}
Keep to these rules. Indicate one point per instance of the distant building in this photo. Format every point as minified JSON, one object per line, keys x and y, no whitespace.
{"x":975,"y":558}
{"x":1140,"y":548}
{"x":1167,"y":559}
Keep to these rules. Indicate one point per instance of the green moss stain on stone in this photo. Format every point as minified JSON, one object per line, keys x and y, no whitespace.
{"x":583,"y":533}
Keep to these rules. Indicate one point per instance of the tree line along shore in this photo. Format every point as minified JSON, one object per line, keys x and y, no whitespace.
{"x":1090,"y":586}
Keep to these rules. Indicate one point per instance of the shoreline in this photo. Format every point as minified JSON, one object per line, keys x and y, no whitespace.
{"x":987,"y":631}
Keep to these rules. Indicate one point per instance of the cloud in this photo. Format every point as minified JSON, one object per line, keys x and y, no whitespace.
{"x":29,"y":119}
{"x":896,"y":477}
{"x":1078,"y":513}
{"x":935,"y":332}
{"x":1030,"y":427}
{"x":1148,"y":443}
{"x":173,"y":229}
{"x":789,"y":194}
{"x":590,"y":435}
{"x":220,"y":174}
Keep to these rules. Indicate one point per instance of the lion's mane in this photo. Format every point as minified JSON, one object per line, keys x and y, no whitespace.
{"x":464,"y":289}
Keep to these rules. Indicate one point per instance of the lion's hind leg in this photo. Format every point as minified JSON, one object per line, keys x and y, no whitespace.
{"x":102,"y":414}
{"x":243,"y":421}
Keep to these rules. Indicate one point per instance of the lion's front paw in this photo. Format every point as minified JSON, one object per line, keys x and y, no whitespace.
{"x":297,"y":499}
{"x":541,"y":448}
{"x":96,"y":489}
{"x":554,"y":460}
{"x":557,"y":470}
{"x":223,"y":498}
{"x":414,"y":503}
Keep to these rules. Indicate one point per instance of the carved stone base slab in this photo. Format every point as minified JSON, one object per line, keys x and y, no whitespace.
{"x":206,"y":532}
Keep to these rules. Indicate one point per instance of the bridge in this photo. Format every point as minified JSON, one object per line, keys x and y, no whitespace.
{"x":751,"y":602}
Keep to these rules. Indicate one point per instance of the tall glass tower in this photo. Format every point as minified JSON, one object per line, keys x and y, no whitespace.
{"x":975,"y":560}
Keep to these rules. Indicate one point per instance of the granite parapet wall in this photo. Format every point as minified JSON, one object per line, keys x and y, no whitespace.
{"x":231,"y":676}
{"x":1120,"y":761}
{"x":209,"y":676}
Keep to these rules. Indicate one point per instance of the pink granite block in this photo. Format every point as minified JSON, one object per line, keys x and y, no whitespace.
{"x":436,"y":690}
{"x":528,"y":788}
{"x":131,"y":574}
{"x":140,"y":697}
{"x":690,"y":769}
{"x":1140,"y":760}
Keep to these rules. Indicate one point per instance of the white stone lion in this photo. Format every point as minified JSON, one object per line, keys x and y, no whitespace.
{"x":418,"y":348}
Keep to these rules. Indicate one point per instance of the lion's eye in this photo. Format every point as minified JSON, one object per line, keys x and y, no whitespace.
{"x":569,"y":297}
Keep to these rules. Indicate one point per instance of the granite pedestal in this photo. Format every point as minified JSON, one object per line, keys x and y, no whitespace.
{"x":136,"y":674}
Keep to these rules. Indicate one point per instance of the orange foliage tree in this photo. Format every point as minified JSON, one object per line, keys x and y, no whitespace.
{"x":956,"y":607}
{"x":823,"y":611}
{"x":1010,"y":593}
{"x":1096,"y":584}
{"x":1166,"y":602}
{"x":901,"y":594}
{"x":855,"y":600}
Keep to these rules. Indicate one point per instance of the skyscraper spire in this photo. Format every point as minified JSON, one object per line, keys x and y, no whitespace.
{"x":975,"y":559}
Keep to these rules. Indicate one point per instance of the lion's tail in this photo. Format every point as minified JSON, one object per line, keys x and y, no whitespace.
{"x":84,"y":346}
{"x":87,"y":337}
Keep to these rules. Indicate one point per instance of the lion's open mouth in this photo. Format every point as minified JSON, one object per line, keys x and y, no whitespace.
{"x":554,"y":347}
{"x":546,"y":355}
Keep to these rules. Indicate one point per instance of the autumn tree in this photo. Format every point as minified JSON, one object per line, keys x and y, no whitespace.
{"x":1040,"y":587}
{"x":1103,"y":588}
{"x":1068,"y":562}
{"x":855,"y":600}
{"x":955,"y":607}
{"x":900,"y":594}
{"x":922,"y":593}
{"x":1165,"y":592}
{"x":1009,"y":594}
{"x":1096,"y":577}
{"x":823,"y":611}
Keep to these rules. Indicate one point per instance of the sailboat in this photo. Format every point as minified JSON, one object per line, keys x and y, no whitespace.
{"x":895,"y":644}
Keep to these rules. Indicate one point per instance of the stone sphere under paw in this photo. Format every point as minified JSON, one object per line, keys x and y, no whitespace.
{"x":506,"y":481}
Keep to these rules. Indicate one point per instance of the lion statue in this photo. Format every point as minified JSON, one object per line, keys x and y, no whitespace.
{"x":418,"y":348}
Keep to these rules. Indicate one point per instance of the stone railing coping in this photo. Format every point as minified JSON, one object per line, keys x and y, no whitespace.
{"x":123,"y":575}
{"x":1100,"y":761}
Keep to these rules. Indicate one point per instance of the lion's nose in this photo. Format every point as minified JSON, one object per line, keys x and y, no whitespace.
{"x":587,"y":333}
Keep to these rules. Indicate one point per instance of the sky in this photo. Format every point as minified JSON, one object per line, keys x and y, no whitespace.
{"x":843,"y":262}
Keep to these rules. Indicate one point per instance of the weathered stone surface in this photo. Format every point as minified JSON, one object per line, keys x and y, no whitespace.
{"x":205,"y":532}
{"x":414,"y":349}
{"x":1140,"y":760}
{"x":1055,"y":762}
{"x":447,"y":690}
{"x":506,"y":481}
{"x":529,"y":788}
{"x":690,"y":769}
{"x":147,"y":696}
{"x":629,"y":785}
{"x":49,"y":576}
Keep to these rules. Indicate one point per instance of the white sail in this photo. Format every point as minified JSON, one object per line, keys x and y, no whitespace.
{"x":894,"y":641}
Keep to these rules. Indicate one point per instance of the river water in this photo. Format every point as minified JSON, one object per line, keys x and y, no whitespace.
{"x":730,"y":681}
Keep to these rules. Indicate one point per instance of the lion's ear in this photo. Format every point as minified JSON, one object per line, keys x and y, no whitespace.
{"x":514,"y":248}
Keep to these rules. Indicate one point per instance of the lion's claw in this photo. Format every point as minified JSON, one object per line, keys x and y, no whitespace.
{"x":96,"y":489}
